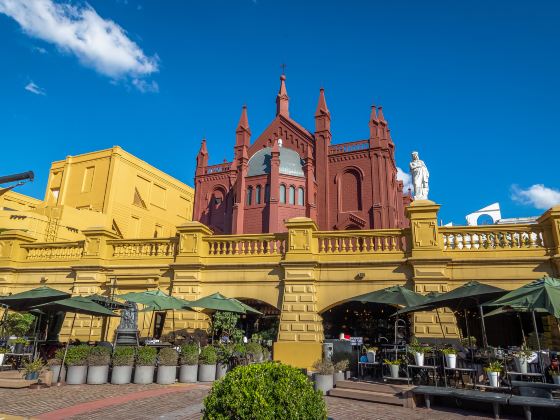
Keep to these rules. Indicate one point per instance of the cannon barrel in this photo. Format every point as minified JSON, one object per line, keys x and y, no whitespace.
{"x":17,"y":177}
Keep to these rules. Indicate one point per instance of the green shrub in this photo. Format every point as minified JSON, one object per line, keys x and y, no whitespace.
{"x":99,"y":356}
{"x":18,"y":324}
{"x":342,"y":365}
{"x":189,"y":354}
{"x":208,"y":356}
{"x":21,"y":340}
{"x":264,"y":391}
{"x":224,"y":353}
{"x":323,"y":367}
{"x":168,"y":357}
{"x":254,"y":351}
{"x":146,"y":356}
{"x":123,"y":356}
{"x":32,"y":367}
{"x":77,"y":355}
{"x":266,"y":354}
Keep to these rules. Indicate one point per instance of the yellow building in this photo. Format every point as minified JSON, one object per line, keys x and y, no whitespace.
{"x":108,"y":189}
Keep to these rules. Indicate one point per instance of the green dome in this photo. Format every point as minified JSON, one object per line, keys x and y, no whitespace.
{"x":290,"y":162}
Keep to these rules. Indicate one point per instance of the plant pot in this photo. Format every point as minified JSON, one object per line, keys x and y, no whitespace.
{"x":144,"y":374}
{"x":188,"y":373}
{"x":166,"y":375}
{"x":370,"y":356}
{"x":32,"y":376}
{"x":347,"y":374}
{"x":323,"y":383}
{"x":451,"y":360}
{"x":521,"y":364}
{"x":1,"y":359}
{"x":338,"y":376}
{"x":494,"y":378}
{"x":221,"y":370}
{"x":206,"y":373}
{"x":97,"y":375}
{"x":121,"y":375}
{"x":419,"y":358}
{"x":18,"y":348}
{"x":76,"y":375}
{"x":394,"y":371}
{"x":556,"y":379}
{"x":55,"y":370}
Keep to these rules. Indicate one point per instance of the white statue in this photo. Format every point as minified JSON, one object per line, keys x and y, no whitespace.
{"x":420,"y":176}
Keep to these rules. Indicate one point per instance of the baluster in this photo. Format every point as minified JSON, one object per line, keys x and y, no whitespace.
{"x":467,"y":241}
{"x":258,"y":244}
{"x":335,"y":244}
{"x":459,"y":241}
{"x":533,"y":239}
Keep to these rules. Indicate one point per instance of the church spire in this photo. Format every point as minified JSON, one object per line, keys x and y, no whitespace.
{"x":202,"y":159}
{"x":282,"y":99}
{"x":322,"y":104}
{"x":243,"y":123}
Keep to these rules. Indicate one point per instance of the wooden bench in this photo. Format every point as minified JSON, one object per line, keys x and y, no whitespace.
{"x":533,"y":394}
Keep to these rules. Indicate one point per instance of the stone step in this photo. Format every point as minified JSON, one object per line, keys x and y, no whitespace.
{"x":356,"y":394}
{"x":391,"y":389}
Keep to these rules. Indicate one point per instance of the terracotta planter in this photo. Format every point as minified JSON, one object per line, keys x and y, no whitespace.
{"x":144,"y":374}
{"x":76,"y":375}
{"x":121,"y":375}
{"x":188,"y":373}
{"x":97,"y":375}
{"x":206,"y":373}
{"x":323,"y":383}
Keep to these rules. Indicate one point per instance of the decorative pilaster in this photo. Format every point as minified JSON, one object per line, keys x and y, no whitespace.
{"x":550,"y":221}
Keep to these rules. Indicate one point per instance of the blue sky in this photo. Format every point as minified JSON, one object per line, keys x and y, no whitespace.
{"x":473,"y":86}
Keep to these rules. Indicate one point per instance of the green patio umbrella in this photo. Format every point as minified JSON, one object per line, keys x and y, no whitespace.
{"x":394,"y":295}
{"x":25,"y":300}
{"x":107,"y":302}
{"x":76,"y":304}
{"x":219,"y":302}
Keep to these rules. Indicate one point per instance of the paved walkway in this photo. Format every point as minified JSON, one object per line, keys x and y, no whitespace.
{"x":182,"y":401}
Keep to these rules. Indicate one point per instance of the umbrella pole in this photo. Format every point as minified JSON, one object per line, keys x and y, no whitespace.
{"x":150,"y":326}
{"x":90,"y":327}
{"x":66,"y":350}
{"x":483,"y":325}
{"x":522,"y":330}
{"x":538,"y":340}
{"x":173,"y":323}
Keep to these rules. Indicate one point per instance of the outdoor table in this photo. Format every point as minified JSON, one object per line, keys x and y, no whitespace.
{"x":459,"y":372}
{"x":529,"y":375}
{"x":425,"y":372}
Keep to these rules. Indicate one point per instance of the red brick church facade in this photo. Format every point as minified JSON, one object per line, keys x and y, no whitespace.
{"x":289,"y":172}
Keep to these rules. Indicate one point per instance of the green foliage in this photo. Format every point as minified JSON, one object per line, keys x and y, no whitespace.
{"x":266,"y":354}
{"x":20,"y":340}
{"x":264,"y":391}
{"x":524,"y":353}
{"x":189,"y":354}
{"x":146,"y":356}
{"x":4,"y":350}
{"x":224,"y":353}
{"x":224,"y":325}
{"x":323,"y":367}
{"x":494,"y":367}
{"x":207,"y":356}
{"x":449,"y":350}
{"x":32,"y":367}
{"x":342,"y":365}
{"x":168,"y":357}
{"x":99,"y":356}
{"x":392,"y":362}
{"x":253,"y":351}
{"x":123,"y":356}
{"x":465,"y":341}
{"x":57,"y":359}
{"x":18,"y":324}
{"x":77,"y":355}
{"x":417,"y":347}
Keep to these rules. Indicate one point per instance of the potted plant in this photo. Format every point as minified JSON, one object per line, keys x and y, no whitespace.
{"x":207,"y":364}
{"x":224,"y":354}
{"x":188,"y":360}
{"x":323,"y":378}
{"x":3,"y":351}
{"x":123,"y":360}
{"x":19,"y":345}
{"x":254,"y":352}
{"x":31,"y":370}
{"x":17,"y":324}
{"x":493,"y":371}
{"x":76,"y":363}
{"x":371,"y":352}
{"x":167,"y":366}
{"x":239,"y":354}
{"x":469,"y":342}
{"x":55,"y":365}
{"x":98,"y":361}
{"x":450,"y":357}
{"x":521,"y":358}
{"x":266,"y":354}
{"x":145,"y":365}
{"x":394,"y":366}
{"x":555,"y":377}
{"x":340,"y":369}
{"x":418,"y":351}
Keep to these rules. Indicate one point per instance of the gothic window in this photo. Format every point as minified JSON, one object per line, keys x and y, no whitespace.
{"x":292,"y":195}
{"x":300,"y":196}
{"x":249,"y":196}
{"x":258,"y":195}
{"x":266,"y":193}
{"x":351,"y":191}
{"x":283,"y":194}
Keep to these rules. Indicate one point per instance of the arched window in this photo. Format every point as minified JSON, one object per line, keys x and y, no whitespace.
{"x":266,"y":193}
{"x":282,"y":194}
{"x":258,"y":195}
{"x":300,"y":196}
{"x":249,"y":196}
{"x":292,"y":195}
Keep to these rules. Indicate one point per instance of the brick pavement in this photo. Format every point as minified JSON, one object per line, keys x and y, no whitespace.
{"x":105,"y":402}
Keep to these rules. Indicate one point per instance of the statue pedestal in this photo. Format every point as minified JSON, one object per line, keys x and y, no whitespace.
{"x":126,"y":337}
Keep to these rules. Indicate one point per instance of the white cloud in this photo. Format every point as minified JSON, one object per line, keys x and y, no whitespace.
{"x":40,"y":50}
{"x":145,"y":86}
{"x":33,"y":88}
{"x":98,"y":43}
{"x":405,"y":178}
{"x":537,"y":195}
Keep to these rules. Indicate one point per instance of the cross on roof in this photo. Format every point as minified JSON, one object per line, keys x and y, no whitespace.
{"x":283,"y":68}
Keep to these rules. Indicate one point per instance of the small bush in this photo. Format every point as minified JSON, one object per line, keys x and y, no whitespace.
{"x":77,"y":355}
{"x":323,"y":367}
{"x":254,"y":352}
{"x":189,"y":354}
{"x":341,"y":366}
{"x":123,"y":356}
{"x":208,"y":356}
{"x":99,"y":356}
{"x":224,"y":353}
{"x":264,"y":391}
{"x":168,"y":357}
{"x":266,"y":354}
{"x":18,"y":324}
{"x":146,"y":356}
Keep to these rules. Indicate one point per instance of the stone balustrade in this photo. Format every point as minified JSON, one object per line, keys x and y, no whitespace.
{"x":493,"y":238}
{"x":216,"y":169}
{"x":56,"y":251}
{"x":361,"y":241}
{"x":354,"y":146}
{"x":242,"y":245}
{"x":139,"y":248}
